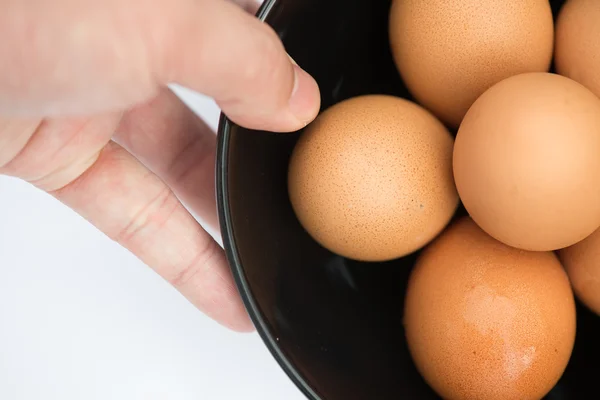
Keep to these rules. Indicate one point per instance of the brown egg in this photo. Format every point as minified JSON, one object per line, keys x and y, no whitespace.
{"x":582,"y":262}
{"x":371,"y":178}
{"x":450,"y":52}
{"x":527,"y":164}
{"x":487,"y":321}
{"x":578,"y":43}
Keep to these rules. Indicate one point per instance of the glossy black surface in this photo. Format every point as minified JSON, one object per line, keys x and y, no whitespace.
{"x":334,"y":325}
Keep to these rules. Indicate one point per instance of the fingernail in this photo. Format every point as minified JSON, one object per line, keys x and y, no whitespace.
{"x":305,"y":99}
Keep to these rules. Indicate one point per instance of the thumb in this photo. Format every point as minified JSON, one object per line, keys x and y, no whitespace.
{"x":214,"y":47}
{"x":84,"y":56}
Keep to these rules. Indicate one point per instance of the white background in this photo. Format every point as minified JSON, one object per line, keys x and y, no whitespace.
{"x":82,"y":319}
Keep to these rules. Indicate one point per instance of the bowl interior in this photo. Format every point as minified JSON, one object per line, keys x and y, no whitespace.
{"x":334,"y":325}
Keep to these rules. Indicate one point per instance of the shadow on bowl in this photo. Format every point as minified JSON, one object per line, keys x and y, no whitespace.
{"x":334,"y":325}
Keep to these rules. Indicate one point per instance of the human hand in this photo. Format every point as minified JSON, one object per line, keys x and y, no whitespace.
{"x":86,"y":116}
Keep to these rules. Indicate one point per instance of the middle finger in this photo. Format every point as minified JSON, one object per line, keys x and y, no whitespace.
{"x":179,"y":147}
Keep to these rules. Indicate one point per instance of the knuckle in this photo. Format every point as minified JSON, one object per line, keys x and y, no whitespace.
{"x":49,"y":154}
{"x":200,"y":263}
{"x":149,"y":218}
{"x":14,"y":138}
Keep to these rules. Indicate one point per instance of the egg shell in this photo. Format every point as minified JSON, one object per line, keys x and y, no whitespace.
{"x":450,"y":52}
{"x":371,"y":178}
{"x":578,"y":43}
{"x":527,"y":161}
{"x":487,"y":321}
{"x":582,"y":262}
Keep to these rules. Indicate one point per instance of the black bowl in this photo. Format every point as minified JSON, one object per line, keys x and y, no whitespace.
{"x":334,"y":325}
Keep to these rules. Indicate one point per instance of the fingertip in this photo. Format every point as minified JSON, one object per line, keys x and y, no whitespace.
{"x":239,"y":321}
{"x":243,"y":326}
{"x":300,"y":109}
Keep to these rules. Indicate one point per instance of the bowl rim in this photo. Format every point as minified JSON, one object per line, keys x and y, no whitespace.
{"x":229,"y":244}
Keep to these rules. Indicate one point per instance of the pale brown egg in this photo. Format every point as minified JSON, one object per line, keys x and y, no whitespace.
{"x":371,"y":178}
{"x":582,"y":262}
{"x":450,"y":52}
{"x":578,"y":43}
{"x":527,"y":161}
{"x":487,"y":321}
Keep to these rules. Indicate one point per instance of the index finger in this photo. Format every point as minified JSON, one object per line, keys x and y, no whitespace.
{"x":136,"y":209}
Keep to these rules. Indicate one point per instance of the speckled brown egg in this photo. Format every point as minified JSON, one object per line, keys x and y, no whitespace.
{"x":450,"y":52}
{"x":582,"y":262}
{"x":487,"y":321}
{"x":578,"y":43}
{"x":371,"y":178}
{"x":527,"y":161}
